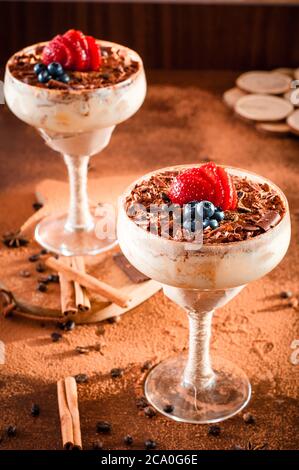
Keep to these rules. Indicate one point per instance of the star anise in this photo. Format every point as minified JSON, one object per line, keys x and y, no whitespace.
{"x":14,"y":240}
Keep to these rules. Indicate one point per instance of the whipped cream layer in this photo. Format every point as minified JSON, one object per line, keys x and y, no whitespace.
{"x":191,"y":266}
{"x":69,"y":111}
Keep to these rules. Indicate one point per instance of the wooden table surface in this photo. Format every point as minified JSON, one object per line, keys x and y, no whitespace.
{"x":183,"y":120}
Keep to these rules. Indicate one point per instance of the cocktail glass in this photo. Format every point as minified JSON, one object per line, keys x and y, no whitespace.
{"x":78,"y":124}
{"x":201,"y":279}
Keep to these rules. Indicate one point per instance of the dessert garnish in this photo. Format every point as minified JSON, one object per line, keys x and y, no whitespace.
{"x":211,"y":215}
{"x":53,"y":71}
{"x":74,"y":51}
{"x":208,"y":182}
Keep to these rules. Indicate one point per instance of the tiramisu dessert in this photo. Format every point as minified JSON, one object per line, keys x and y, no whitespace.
{"x":74,"y":89}
{"x":245,"y":226}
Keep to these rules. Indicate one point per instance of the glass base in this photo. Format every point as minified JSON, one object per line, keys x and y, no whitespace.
{"x":52,"y":235}
{"x":229,"y":393}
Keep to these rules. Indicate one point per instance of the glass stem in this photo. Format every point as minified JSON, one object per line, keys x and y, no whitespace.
{"x":198,"y":371}
{"x":79,"y":217}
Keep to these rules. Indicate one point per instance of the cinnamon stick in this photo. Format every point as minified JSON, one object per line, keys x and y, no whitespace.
{"x":27,"y":229}
{"x":72,"y":401}
{"x":66,"y":421}
{"x":67,"y":291}
{"x":89,"y":282}
{"x":81,"y":297}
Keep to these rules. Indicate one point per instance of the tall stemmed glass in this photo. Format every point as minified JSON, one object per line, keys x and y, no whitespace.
{"x":78,"y":124}
{"x":201,"y":388}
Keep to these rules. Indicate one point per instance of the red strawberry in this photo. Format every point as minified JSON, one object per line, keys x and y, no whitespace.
{"x":94,"y":53}
{"x":80,"y":47}
{"x":230,"y":197}
{"x":70,"y":55}
{"x":190,"y":185}
{"x":208,"y":182}
{"x":209,"y":170}
{"x":54,"y":51}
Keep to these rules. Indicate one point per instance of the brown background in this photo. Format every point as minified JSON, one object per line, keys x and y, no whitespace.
{"x":168,"y":36}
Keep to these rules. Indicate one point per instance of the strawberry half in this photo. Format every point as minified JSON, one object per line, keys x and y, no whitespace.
{"x":190,"y":185}
{"x":230,"y":195}
{"x":95,"y":57}
{"x":209,"y":170}
{"x":208,"y":182}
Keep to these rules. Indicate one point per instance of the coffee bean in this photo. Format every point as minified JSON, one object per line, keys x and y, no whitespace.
{"x":128,"y":440}
{"x":56,"y":337}
{"x":35,"y":410}
{"x":11,"y":431}
{"x":150,"y":444}
{"x":248,"y":418}
{"x":103,"y":427}
{"x":141,"y":402}
{"x":81,"y":378}
{"x":37,"y":205}
{"x":53,"y":278}
{"x":42,"y":287}
{"x":69,"y":325}
{"x":34,"y":258}
{"x":117,"y":372}
{"x":41,"y":267}
{"x":214,"y":430}
{"x":286,"y":294}
{"x":149,"y":412}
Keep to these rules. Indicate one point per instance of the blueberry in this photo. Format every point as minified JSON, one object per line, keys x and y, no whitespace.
{"x":64,"y":78}
{"x":208,"y":209}
{"x":43,"y":76}
{"x":189,"y":225}
{"x":213,"y":224}
{"x":38,"y":68}
{"x":218,"y":215}
{"x":55,"y":69}
{"x":205,"y":223}
{"x":189,"y":209}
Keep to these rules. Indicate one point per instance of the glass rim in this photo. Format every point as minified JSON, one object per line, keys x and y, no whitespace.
{"x":81,"y":92}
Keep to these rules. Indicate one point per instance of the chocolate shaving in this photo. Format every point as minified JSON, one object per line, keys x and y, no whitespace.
{"x":136,"y":276}
{"x":269,"y":220}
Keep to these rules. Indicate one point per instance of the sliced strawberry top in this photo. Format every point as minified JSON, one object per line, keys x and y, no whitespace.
{"x":209,"y":170}
{"x":54,"y":51}
{"x":80,"y":46}
{"x":230,"y":198}
{"x":208,"y":182}
{"x":70,"y":55}
{"x":74,"y":51}
{"x":190,"y":185}
{"x":95,"y":56}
